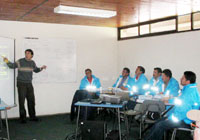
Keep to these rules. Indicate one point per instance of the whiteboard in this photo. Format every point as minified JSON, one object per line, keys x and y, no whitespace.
{"x":7,"y":76}
{"x":59,"y":55}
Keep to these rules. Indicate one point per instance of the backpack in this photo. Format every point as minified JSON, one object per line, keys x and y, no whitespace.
{"x":153,"y":109}
{"x":153,"y":115}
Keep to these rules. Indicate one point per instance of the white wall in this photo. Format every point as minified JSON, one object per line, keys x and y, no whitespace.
{"x":96,"y":49}
{"x":178,"y":52}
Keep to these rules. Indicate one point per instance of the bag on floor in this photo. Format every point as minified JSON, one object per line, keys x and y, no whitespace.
{"x":113,"y":135}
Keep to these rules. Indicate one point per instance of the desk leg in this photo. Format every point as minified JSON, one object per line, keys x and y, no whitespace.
{"x":127,"y":126}
{"x":1,"y":122}
{"x":77,"y":122}
{"x":119,"y":123}
{"x":86,"y":113}
{"x":6,"y":117}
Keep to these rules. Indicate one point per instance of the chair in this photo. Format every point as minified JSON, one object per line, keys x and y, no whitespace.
{"x":150,"y":106}
{"x":133,"y":113}
{"x":181,"y":129}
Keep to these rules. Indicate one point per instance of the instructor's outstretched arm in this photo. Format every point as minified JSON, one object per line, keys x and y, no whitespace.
{"x":10,"y":64}
{"x":37,"y":69}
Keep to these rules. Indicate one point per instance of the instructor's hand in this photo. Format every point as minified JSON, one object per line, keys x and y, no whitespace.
{"x":5,"y":60}
{"x":43,"y":67}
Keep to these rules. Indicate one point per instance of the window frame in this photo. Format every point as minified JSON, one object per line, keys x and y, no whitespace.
{"x":157,"y":33}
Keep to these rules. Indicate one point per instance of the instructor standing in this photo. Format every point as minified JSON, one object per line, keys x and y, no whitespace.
{"x":26,"y":66}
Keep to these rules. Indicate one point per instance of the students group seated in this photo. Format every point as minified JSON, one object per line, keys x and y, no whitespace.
{"x":188,"y":99}
{"x":162,"y":83}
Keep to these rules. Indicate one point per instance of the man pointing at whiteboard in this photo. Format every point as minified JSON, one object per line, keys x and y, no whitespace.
{"x":26,"y":66}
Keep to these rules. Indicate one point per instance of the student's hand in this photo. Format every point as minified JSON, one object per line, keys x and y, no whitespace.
{"x":123,"y":88}
{"x":5,"y":60}
{"x":91,"y":93}
{"x":191,"y":125}
{"x":43,"y":67}
{"x":165,"y":100}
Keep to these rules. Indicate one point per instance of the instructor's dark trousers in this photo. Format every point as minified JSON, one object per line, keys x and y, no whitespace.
{"x":26,"y":91}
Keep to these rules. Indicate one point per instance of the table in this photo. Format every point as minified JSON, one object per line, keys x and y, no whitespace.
{"x":106,"y":105}
{"x":4,"y":107}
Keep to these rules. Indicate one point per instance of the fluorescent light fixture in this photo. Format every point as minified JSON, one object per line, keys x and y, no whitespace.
{"x":84,"y":11}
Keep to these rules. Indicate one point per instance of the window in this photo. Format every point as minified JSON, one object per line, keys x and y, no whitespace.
{"x":174,"y":24}
{"x":184,"y":22}
{"x":196,"y":20}
{"x":162,"y":26}
{"x":129,"y":32}
{"x":144,"y":29}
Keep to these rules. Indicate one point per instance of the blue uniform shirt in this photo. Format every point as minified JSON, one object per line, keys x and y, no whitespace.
{"x":85,"y":83}
{"x":157,"y":88}
{"x":127,"y":83}
{"x":139,"y":83}
{"x":172,"y":88}
{"x":188,"y":100}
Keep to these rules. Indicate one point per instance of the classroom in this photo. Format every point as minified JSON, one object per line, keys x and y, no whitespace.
{"x":147,"y":33}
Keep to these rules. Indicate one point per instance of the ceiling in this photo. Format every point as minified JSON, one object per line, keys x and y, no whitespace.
{"x":128,"y":11}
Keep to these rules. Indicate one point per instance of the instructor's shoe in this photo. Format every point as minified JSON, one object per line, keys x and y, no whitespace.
{"x":23,"y":121}
{"x":35,"y":119}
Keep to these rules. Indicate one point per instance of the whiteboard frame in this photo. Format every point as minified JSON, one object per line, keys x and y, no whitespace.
{"x":14,"y":70}
{"x":14,"y":75}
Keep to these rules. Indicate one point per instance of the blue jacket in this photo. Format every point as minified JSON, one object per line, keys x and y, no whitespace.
{"x":85,"y":82}
{"x":127,"y":84}
{"x":190,"y":99}
{"x":142,"y":80}
{"x":172,"y":87}
{"x":158,"y":86}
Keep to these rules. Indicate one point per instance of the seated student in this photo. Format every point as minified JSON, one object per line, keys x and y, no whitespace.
{"x":87,"y":90}
{"x":90,"y":82}
{"x":124,"y":81}
{"x":156,"y":82}
{"x":189,"y":99}
{"x":170,"y":85}
{"x":139,"y":80}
